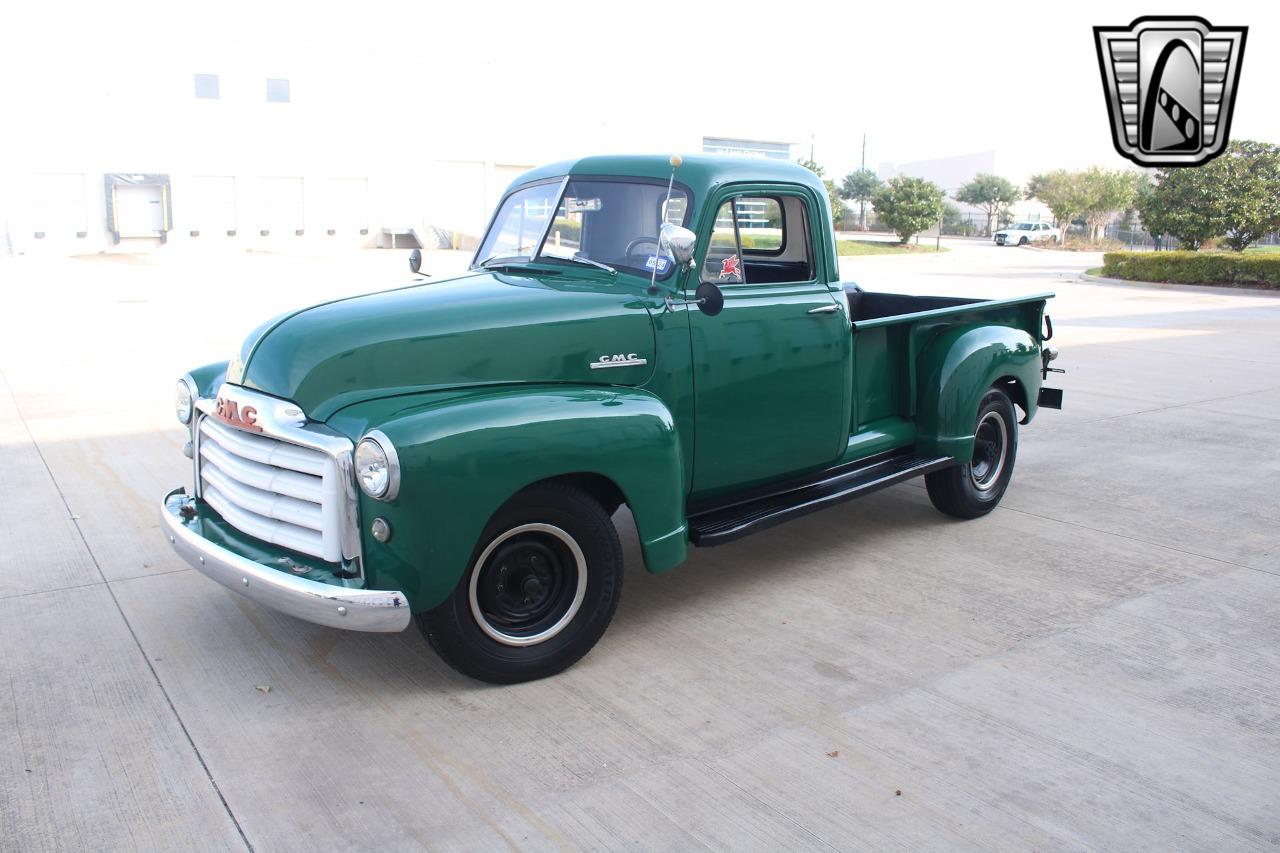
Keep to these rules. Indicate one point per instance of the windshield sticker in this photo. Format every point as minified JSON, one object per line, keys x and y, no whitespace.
{"x":731,"y":267}
{"x":582,"y":205}
{"x":662,"y":264}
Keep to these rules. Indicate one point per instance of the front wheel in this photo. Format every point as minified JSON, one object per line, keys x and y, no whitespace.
{"x":542,"y":587}
{"x":1022,"y":241}
{"x":973,"y":489}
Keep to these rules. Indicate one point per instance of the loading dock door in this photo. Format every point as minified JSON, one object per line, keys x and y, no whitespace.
{"x":139,"y":211}
{"x":346,"y":205}
{"x":211,"y":206}
{"x":281,"y":205}
{"x":138,"y":205}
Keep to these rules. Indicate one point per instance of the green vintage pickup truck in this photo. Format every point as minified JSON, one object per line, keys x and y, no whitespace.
{"x":665,"y":333}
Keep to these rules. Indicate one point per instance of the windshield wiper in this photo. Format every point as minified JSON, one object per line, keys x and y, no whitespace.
{"x":580,"y":260}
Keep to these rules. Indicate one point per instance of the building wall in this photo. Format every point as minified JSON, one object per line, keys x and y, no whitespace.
{"x":422,"y":140}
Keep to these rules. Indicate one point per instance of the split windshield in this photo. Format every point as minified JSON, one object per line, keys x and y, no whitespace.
{"x":594,"y":221}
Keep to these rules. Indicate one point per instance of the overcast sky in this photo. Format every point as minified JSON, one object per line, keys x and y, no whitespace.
{"x":922,"y":80}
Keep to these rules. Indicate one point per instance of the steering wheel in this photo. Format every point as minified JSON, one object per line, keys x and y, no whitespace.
{"x":639,"y":241}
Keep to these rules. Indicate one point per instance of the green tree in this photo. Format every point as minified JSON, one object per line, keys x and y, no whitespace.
{"x":861,"y":185}
{"x":1185,"y":203}
{"x":1063,"y":193}
{"x":1236,"y":196}
{"x":1106,"y":193}
{"x":909,"y":205}
{"x":1250,"y":197}
{"x":838,"y":210}
{"x":990,"y":193}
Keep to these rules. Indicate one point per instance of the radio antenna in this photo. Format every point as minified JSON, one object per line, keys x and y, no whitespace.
{"x":675,"y":162}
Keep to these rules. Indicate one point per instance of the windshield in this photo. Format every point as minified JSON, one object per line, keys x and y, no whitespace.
{"x":601,"y":220}
{"x":1023,"y":226}
{"x":521,"y":221}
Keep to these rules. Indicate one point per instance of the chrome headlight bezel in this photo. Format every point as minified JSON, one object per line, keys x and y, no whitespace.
{"x":381,"y":450}
{"x":184,"y":401}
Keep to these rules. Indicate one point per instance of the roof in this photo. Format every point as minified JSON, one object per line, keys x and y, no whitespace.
{"x":699,"y":172}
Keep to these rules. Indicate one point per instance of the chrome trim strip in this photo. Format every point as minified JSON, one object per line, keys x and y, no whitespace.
{"x":284,"y":420}
{"x":324,"y":604}
{"x":193,"y":432}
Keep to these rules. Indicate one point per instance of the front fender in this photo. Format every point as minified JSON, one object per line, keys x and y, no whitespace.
{"x":957,"y":368}
{"x":208,"y":378}
{"x":463,"y":454}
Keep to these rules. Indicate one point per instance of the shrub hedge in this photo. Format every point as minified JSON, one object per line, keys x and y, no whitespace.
{"x":1260,"y":270}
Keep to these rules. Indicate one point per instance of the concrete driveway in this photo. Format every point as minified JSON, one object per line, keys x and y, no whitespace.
{"x":1095,"y":665}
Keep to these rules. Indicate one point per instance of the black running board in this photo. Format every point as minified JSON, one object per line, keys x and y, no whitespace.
{"x":727,"y":522}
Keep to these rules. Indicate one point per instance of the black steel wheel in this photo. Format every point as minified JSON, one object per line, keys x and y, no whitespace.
{"x":975,"y":488}
{"x":541,"y":588}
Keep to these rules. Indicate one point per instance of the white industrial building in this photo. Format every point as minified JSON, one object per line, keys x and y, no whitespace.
{"x":260,"y":145}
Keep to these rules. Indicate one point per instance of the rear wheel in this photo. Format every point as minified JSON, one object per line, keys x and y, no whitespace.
{"x":541,"y":589}
{"x":975,"y":488}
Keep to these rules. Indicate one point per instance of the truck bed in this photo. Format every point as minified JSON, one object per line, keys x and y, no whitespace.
{"x":889,"y":330}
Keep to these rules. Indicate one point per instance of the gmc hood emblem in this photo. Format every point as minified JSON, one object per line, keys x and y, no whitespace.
{"x":243,"y":417}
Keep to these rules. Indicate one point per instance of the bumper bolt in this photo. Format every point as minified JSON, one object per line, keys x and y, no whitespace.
{"x":342,"y":611}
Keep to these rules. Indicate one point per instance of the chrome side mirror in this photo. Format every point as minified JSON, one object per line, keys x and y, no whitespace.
{"x":681,"y":241}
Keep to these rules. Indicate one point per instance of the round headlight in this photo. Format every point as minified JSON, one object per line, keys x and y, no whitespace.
{"x":182,"y":401}
{"x":377,"y":467}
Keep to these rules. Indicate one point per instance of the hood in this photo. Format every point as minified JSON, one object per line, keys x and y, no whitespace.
{"x":486,"y":328}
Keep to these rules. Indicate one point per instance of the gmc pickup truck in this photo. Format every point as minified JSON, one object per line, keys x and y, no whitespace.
{"x":665,"y":333}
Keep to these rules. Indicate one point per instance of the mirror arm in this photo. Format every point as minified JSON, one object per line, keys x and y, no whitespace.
{"x":672,"y":303}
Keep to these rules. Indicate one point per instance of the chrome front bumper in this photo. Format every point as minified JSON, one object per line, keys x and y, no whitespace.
{"x":322,"y":603}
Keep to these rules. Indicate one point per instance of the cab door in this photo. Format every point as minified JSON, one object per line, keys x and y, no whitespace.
{"x":769,"y":369}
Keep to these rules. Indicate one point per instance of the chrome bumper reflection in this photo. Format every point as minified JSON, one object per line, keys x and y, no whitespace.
{"x":324,"y":604}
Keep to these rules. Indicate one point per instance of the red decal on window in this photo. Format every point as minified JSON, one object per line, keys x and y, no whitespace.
{"x":730,"y":267}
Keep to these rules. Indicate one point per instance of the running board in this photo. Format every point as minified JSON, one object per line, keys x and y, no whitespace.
{"x":725,"y":523}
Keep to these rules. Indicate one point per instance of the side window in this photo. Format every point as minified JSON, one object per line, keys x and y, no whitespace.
{"x":724,"y":258}
{"x":761,"y":226}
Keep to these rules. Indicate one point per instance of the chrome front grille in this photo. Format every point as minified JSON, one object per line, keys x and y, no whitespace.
{"x":282,"y":493}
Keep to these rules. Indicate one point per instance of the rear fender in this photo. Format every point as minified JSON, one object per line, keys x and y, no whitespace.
{"x":956,"y":369}
{"x":464,"y":455}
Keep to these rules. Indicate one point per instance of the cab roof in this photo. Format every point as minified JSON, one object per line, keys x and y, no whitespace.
{"x":700,"y":172}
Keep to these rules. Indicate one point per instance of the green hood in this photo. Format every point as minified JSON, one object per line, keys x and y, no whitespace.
{"x":476,"y":330}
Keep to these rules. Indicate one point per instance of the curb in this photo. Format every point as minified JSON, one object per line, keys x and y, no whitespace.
{"x":1188,"y":288}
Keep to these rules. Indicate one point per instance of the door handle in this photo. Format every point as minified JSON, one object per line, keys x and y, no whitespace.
{"x":825,"y":309}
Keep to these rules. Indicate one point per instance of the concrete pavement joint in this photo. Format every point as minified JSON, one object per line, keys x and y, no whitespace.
{"x":1181,"y":405}
{"x":12,"y":595}
{"x":1139,"y":539}
{"x":137,"y":642}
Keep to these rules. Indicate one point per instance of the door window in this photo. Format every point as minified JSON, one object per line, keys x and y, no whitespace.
{"x":761,"y":226}
{"x":760,"y":240}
